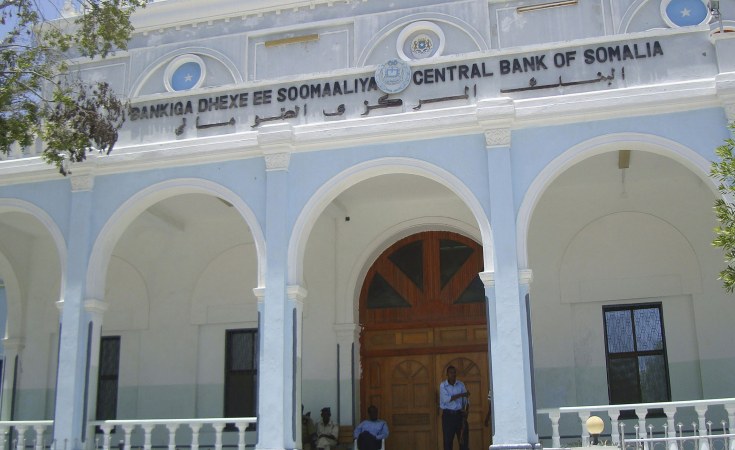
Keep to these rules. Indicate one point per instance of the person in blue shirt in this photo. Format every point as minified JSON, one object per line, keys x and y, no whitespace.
{"x":370,"y":433}
{"x":454,"y":401}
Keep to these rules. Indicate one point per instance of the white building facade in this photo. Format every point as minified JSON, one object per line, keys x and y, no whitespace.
{"x":326,"y":203}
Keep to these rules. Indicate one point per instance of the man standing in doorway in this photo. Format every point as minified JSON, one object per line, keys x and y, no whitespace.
{"x":453,"y":401}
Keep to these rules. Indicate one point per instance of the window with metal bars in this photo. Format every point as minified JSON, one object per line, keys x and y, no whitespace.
{"x":241,"y":373}
{"x":635,"y":349}
{"x":109,"y":373}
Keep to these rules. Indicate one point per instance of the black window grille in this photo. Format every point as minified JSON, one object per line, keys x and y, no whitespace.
{"x":241,"y":373}
{"x":109,"y":373}
{"x":635,"y":348}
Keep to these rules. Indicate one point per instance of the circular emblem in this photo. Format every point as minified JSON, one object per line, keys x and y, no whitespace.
{"x":684,"y":13}
{"x":421,"y":45}
{"x":393,"y":76}
{"x":185,"y":72}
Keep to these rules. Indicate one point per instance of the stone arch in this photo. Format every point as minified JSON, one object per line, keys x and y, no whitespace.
{"x":12,"y":286}
{"x":360,"y":172}
{"x":595,"y":146}
{"x":130,"y":209}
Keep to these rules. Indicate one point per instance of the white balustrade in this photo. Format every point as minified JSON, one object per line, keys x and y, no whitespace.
{"x":130,"y":428}
{"x":17,"y":433}
{"x":693,"y":418}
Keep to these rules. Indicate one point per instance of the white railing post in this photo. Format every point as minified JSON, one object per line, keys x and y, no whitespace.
{"x":641,"y":414}
{"x":614,"y":428}
{"x":730,"y":408}
{"x":147,"y":430}
{"x":701,"y":416}
{"x":172,"y":436}
{"x":20,"y":441}
{"x":583,"y":416}
{"x":195,"y":435}
{"x":3,"y":431}
{"x":106,"y":435}
{"x":241,"y":426}
{"x":554,"y":416}
{"x":128,"y":431}
{"x":39,"y":429}
{"x":218,"y":427}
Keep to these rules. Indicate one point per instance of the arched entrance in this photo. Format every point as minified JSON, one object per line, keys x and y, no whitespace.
{"x":422,"y":308}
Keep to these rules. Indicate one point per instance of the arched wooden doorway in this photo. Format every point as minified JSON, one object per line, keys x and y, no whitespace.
{"x":422,"y":308}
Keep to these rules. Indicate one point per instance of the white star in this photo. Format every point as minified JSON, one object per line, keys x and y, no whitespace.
{"x":188,"y":77}
{"x":685,"y":12}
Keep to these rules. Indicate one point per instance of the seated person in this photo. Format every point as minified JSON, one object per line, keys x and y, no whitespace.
{"x":370,"y":433}
{"x":308,"y":431}
{"x":326,"y":431}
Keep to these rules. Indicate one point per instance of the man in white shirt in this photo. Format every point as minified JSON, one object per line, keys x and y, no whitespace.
{"x":326,"y":431}
{"x":454,"y":401}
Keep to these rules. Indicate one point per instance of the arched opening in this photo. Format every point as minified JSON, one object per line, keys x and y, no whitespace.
{"x":422,"y":308}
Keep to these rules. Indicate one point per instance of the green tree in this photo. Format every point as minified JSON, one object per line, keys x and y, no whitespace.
{"x":724,"y":172}
{"x":41,"y":95}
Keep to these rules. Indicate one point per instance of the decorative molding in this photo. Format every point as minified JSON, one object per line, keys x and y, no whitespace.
{"x":488,"y":278}
{"x":12,"y":345}
{"x":525,"y":276}
{"x":60,"y":306}
{"x":346,"y":332}
{"x":277,"y":161}
{"x":296,"y":293}
{"x":259,"y":294}
{"x":81,"y":182}
{"x":96,"y":307}
{"x":497,"y":137}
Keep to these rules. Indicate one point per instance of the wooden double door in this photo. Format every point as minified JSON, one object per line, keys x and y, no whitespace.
{"x":422,"y":309}
{"x":406,"y":391}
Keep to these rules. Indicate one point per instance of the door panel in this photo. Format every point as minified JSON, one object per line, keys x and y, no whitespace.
{"x":408,"y":399}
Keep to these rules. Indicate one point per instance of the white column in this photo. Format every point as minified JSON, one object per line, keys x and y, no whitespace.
{"x":509,"y":334}
{"x":70,"y":378}
{"x":13,"y":347}
{"x":275,"y":392}
{"x":346,"y":338}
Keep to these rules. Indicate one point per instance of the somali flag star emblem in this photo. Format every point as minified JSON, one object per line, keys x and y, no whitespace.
{"x":685,"y":13}
{"x":186,"y":76}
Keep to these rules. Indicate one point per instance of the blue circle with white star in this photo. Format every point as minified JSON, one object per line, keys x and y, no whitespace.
{"x":186,"y":76}
{"x":684,"y":13}
{"x":184,"y":73}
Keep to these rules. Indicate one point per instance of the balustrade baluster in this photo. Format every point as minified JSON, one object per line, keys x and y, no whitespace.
{"x":583,"y":416}
{"x":39,"y":429}
{"x":701,"y":412}
{"x":106,"y":435}
{"x":147,"y":430}
{"x":555,"y":437}
{"x":614,"y":429}
{"x":241,"y":426}
{"x":20,"y":441}
{"x":218,"y":427}
{"x":172,"y":427}
{"x":3,"y":432}
{"x":195,"y":435}
{"x":641,"y":415}
{"x":730,"y":408}
{"x":128,"y":431}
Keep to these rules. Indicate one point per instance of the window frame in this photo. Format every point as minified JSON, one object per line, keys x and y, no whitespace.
{"x":228,"y":402}
{"x":108,"y":377}
{"x":636,"y":354}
